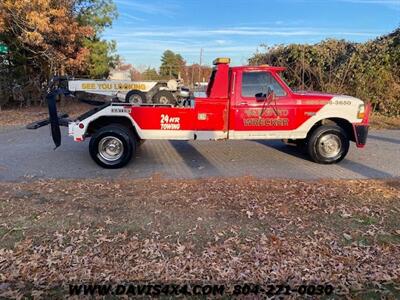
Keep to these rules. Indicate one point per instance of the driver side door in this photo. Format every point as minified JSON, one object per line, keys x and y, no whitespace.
{"x":255,"y":114}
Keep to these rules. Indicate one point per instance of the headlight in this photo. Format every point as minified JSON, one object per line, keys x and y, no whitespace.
{"x":361,"y":111}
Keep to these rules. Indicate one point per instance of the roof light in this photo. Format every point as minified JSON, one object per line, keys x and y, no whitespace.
{"x":222,"y":60}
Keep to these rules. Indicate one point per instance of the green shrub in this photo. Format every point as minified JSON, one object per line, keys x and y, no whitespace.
{"x":370,"y":71}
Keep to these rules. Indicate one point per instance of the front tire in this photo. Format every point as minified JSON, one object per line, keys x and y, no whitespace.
{"x":112,"y":146}
{"x":328,"y":144}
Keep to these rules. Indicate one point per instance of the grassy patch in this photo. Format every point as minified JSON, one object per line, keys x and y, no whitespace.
{"x":9,"y":237}
{"x":379,"y":121}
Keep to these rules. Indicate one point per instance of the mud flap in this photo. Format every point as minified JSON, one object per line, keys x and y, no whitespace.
{"x":361,"y":134}
{"x":53,"y":115}
{"x":53,"y":118}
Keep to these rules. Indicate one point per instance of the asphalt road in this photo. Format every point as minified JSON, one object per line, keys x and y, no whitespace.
{"x":28,"y":154}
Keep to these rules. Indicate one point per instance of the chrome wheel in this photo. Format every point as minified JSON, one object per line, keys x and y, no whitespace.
{"x":329,"y":145}
{"x":110,"y":148}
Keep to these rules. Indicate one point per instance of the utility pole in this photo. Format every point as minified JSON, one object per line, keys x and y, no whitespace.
{"x":302,"y":70}
{"x":201,"y":61}
{"x":192,"y":75}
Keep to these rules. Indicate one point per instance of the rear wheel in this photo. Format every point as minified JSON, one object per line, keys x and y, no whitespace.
{"x":135,"y":97}
{"x":112,"y":146}
{"x":328,"y":144}
{"x":164,"y":97}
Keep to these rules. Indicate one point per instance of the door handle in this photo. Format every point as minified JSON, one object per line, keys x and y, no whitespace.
{"x":243,"y":103}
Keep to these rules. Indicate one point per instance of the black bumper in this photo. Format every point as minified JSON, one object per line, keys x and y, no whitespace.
{"x":361,"y":134}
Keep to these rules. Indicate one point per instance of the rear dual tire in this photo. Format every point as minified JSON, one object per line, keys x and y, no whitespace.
{"x":112,"y":146}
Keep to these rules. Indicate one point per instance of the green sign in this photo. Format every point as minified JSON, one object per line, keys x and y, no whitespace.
{"x":3,"y":49}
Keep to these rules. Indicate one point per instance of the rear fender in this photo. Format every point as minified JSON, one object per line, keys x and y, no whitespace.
{"x":110,"y":114}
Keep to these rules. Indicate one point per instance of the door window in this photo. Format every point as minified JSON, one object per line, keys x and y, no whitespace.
{"x":257,"y":84}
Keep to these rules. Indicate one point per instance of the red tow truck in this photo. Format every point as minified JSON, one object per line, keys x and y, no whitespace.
{"x":247,"y":102}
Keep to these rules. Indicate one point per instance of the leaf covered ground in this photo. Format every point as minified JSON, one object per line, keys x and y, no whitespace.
{"x":346,"y":233}
{"x":26,"y":115}
{"x":379,"y":121}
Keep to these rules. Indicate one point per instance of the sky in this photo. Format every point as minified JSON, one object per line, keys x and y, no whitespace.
{"x":238,"y":28}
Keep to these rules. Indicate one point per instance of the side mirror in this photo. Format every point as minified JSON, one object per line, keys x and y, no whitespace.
{"x":261,"y":97}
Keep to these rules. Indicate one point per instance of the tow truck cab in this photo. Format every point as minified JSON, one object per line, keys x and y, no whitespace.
{"x":241,"y":103}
